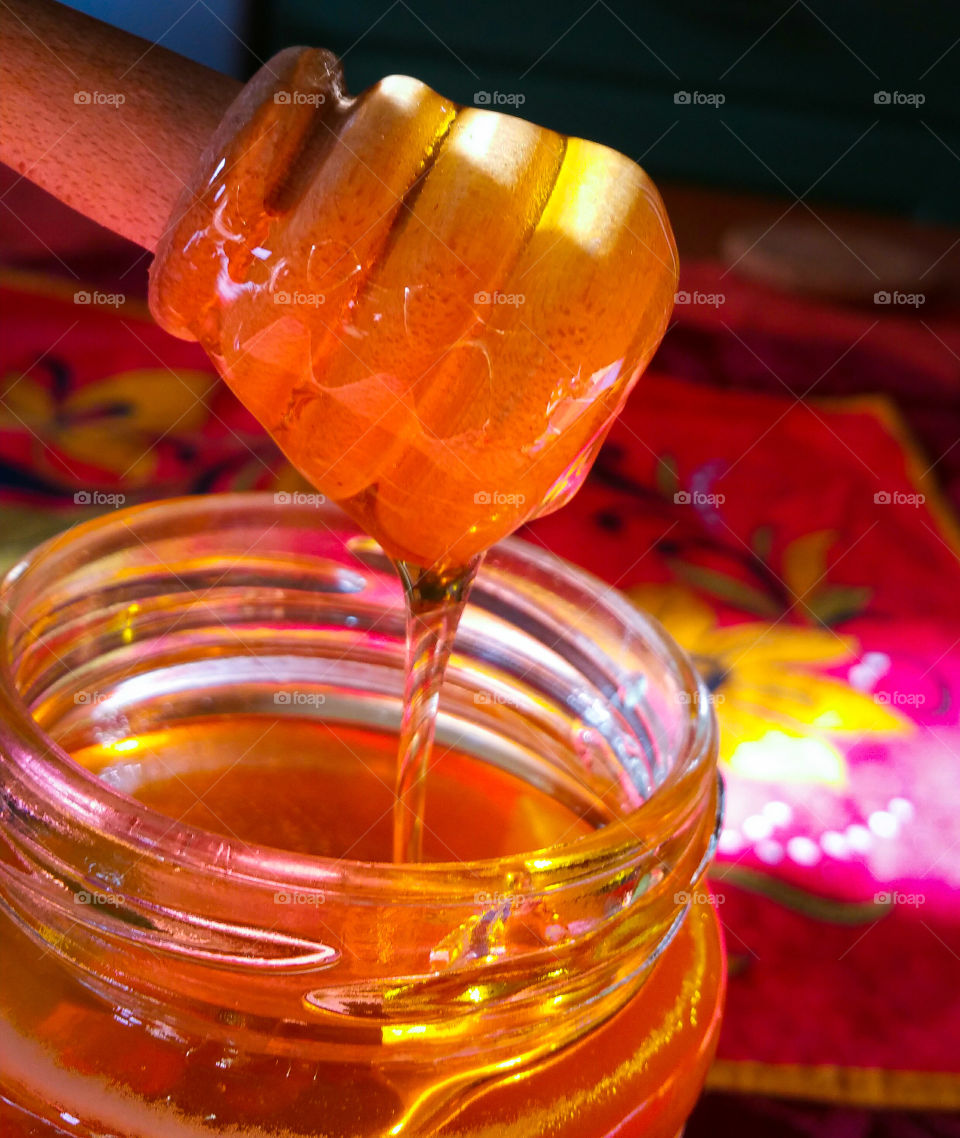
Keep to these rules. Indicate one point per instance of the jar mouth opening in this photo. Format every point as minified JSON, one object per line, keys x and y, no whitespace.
{"x":48,"y":772}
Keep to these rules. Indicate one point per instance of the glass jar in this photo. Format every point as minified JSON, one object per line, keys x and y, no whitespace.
{"x":163,"y":978}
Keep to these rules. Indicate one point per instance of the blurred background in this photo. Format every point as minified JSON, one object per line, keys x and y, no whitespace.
{"x":848,"y":108}
{"x":794,"y":88}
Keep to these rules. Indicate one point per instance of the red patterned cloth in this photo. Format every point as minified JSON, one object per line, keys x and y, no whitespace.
{"x":796,"y":552}
{"x":96,"y":399}
{"x":800,"y":551}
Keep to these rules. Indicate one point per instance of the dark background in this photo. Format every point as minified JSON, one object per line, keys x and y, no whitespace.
{"x":799,"y":79}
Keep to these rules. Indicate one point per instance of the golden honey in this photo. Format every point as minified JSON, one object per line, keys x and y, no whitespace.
{"x":436,"y":310}
{"x":200,"y":927}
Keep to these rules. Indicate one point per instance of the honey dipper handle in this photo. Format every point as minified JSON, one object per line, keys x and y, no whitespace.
{"x":107,"y":122}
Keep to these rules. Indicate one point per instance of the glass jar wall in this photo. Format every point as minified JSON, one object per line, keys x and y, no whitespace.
{"x":202,"y":931}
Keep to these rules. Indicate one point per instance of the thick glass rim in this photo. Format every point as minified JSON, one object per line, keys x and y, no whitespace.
{"x":48,"y":774}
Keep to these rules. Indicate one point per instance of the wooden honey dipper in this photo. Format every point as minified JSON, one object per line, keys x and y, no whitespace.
{"x":437,"y":311}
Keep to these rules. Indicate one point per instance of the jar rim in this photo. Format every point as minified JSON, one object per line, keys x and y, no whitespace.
{"x":70,"y":789}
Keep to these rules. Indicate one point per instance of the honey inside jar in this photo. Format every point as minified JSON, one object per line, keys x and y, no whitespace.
{"x":326,"y":791}
{"x":197,"y":737}
{"x":335,"y":799}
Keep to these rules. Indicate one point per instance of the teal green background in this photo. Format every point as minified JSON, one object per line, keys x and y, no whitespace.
{"x":799,"y":81}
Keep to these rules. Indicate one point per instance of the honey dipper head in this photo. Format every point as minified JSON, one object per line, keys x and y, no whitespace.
{"x":437,"y":311}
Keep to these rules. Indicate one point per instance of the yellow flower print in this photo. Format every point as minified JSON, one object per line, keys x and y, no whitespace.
{"x":777,"y":712}
{"x":113,"y":423}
